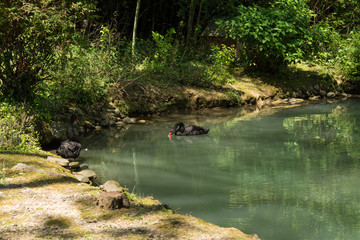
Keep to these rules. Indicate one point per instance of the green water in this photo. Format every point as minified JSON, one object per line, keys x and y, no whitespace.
{"x":293,"y":174}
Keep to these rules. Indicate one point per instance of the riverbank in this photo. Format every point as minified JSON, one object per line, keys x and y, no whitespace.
{"x":43,"y":200}
{"x":47,"y":202}
{"x":131,"y":101}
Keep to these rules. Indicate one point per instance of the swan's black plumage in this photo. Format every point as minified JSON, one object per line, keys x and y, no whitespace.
{"x":179,"y":129}
{"x":71,"y":147}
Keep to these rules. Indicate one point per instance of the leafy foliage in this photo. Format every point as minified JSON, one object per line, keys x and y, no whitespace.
{"x":30,"y":31}
{"x":273,"y":37}
{"x":81,"y":79}
{"x":222,"y":56}
{"x":342,"y":14}
{"x":171,"y":61}
{"x":17,"y":133}
{"x":349,"y":56}
{"x":164,"y":55}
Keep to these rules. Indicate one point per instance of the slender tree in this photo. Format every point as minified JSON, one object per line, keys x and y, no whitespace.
{"x":135,"y":26}
{"x":191,"y":20}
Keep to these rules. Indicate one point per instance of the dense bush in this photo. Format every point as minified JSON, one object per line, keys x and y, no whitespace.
{"x":342,"y":52}
{"x":17,"y":132}
{"x":349,"y":56}
{"x":171,"y":61}
{"x":30,"y":32}
{"x":81,"y":79}
{"x":273,"y":37}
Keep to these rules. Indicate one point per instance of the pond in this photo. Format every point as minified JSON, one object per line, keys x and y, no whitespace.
{"x":291,"y":174}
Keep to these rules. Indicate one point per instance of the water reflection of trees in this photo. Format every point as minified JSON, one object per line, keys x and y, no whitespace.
{"x":317,"y":160}
{"x":298,"y":167}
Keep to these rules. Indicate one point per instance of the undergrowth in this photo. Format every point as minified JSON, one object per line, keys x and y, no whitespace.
{"x":17,"y":130}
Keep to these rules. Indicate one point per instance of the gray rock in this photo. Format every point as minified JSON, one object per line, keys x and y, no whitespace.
{"x":22,"y":167}
{"x":77,"y":110}
{"x":61,"y":161}
{"x":119,"y":124}
{"x":58,"y":130}
{"x":74,"y":165}
{"x":295,"y":100}
{"x":117,"y":112}
{"x":113,"y":200}
{"x":278,"y":102}
{"x":142,"y":121}
{"x":84,"y":166}
{"x":322,"y":93}
{"x":112,"y":186}
{"x":260,"y":103}
{"x":89,"y":125}
{"x":129,"y":120}
{"x":330,"y":94}
{"x":82,"y":178}
{"x":105,"y":123}
{"x":87,"y":172}
{"x":296,"y":95}
{"x":314,"y":98}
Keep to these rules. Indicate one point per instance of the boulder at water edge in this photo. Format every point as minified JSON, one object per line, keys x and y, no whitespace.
{"x":113,"y":200}
{"x":112,"y":186}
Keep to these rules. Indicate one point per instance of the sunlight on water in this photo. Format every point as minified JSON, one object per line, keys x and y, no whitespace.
{"x":292,"y":174}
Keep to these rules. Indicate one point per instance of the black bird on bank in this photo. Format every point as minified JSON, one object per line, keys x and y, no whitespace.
{"x":71,"y":147}
{"x":179,"y":129}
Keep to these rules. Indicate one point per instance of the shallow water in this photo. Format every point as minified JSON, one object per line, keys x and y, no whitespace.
{"x":293,"y":174}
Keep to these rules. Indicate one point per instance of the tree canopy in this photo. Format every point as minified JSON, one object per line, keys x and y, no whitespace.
{"x":40,"y":40}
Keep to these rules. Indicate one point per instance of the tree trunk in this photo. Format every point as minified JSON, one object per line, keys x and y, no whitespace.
{"x":191,"y":20}
{"x":135,"y":26}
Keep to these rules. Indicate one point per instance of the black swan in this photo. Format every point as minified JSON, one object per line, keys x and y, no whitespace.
{"x":179,"y":129}
{"x":71,"y":147}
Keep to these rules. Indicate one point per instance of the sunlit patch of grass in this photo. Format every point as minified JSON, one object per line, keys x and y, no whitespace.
{"x":60,"y":222}
{"x":4,"y":216}
{"x":45,"y":172}
{"x":147,"y":201}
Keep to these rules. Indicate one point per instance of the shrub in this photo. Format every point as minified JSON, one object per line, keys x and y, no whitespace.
{"x":81,"y":79}
{"x":17,"y":132}
{"x":30,"y":31}
{"x":273,"y":37}
{"x":222,"y":56}
{"x":172,"y":62}
{"x":349,"y":56}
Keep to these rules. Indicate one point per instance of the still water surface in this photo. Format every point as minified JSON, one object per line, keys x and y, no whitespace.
{"x":293,"y":174}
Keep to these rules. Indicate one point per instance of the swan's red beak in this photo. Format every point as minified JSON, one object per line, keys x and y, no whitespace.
{"x":169,"y":136}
